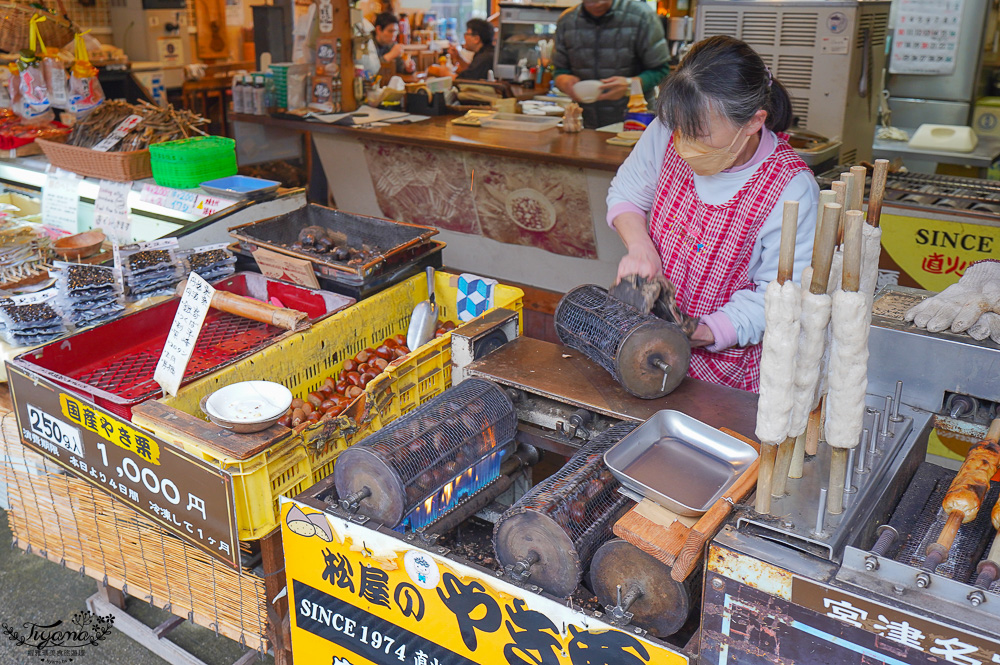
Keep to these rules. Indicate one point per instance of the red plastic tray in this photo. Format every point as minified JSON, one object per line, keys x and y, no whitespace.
{"x":113,"y":364}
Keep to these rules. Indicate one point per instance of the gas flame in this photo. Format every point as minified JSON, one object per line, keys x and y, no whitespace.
{"x":465,"y":484}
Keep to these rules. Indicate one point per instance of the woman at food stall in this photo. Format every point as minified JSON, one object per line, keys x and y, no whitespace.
{"x":699,"y":201}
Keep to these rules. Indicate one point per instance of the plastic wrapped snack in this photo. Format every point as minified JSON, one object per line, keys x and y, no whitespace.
{"x":30,"y":324}
{"x":212,"y":262}
{"x":88,"y":294}
{"x":150,"y":269}
{"x":85,"y":92}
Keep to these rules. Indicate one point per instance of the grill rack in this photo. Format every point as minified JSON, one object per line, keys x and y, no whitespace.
{"x":468,"y":428}
{"x":932,"y":190}
{"x":552,"y":532}
{"x":636,"y":349}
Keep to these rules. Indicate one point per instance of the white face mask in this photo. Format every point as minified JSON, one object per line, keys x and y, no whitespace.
{"x":706,"y":160}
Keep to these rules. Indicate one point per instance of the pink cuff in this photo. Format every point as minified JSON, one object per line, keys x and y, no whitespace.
{"x":722,"y":329}
{"x":619,"y":208}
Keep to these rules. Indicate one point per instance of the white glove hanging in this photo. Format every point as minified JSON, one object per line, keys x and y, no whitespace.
{"x":961,"y":305}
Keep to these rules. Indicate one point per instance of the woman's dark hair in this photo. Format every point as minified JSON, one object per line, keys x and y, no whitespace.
{"x":385,"y":19}
{"x":482,"y":29}
{"x":725,"y":75}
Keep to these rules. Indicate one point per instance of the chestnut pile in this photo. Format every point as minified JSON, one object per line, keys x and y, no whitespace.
{"x":332,"y":245}
{"x":584,"y":506}
{"x":337,"y":393}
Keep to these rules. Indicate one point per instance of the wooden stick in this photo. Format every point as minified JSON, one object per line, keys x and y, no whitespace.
{"x":782,"y":464}
{"x":786,"y":251}
{"x":854,"y":219}
{"x":848,"y":179}
{"x":824,"y":247}
{"x":858,"y":193}
{"x":764,"y":476}
{"x":852,"y":250}
{"x":798,"y":457}
{"x":878,"y":191}
{"x":839,"y":188}
{"x":813,"y":430}
{"x":786,"y":265}
{"x":694,"y":546}
{"x":254,"y":310}
{"x":947,"y":537}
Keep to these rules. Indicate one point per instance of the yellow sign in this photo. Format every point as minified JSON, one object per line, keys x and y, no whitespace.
{"x":361,"y":597}
{"x":111,"y":429}
{"x":936,"y":253}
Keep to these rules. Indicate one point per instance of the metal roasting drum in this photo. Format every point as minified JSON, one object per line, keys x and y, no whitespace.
{"x":648,"y":356}
{"x":418,"y":467}
{"x":552,"y":532}
{"x":627,"y":580}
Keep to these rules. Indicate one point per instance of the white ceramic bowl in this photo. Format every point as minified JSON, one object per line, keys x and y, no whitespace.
{"x":247,"y":406}
{"x":587,"y":91}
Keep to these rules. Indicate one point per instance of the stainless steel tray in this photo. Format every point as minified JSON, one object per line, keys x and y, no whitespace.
{"x":679,"y":462}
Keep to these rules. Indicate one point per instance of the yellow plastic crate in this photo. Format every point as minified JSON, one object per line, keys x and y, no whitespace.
{"x":306,"y":455}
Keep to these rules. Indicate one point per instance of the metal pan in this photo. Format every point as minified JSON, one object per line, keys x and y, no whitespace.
{"x":679,"y":462}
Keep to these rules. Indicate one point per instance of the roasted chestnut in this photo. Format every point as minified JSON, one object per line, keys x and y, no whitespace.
{"x":353,"y":391}
{"x":353,"y":378}
{"x":307,"y":408}
{"x":285,"y":421}
{"x":327,"y":405}
{"x":363,"y":355}
{"x":380,"y":363}
{"x":297,"y":403}
{"x":315,"y":398}
{"x":314,"y":416}
{"x":341,"y":387}
{"x":364,"y":367}
{"x":351,"y":365}
{"x":366,"y":378}
{"x":298,"y":417}
{"x":384,"y":352}
{"x":400,"y":340}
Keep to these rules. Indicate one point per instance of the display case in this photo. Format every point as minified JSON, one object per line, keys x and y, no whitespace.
{"x":172,"y":216}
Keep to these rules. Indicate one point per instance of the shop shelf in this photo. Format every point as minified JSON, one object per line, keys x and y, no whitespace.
{"x":283,"y":461}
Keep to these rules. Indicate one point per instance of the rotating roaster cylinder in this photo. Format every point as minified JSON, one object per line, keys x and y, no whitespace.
{"x":657,"y":602}
{"x":549,"y":536}
{"x":648,"y":356}
{"x":460,"y":438}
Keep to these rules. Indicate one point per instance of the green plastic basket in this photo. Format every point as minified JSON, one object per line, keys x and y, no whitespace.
{"x":186,"y":163}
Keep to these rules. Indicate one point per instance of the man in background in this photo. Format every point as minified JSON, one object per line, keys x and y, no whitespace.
{"x":390,"y":51}
{"x":479,"y":40}
{"x":611,"y":41}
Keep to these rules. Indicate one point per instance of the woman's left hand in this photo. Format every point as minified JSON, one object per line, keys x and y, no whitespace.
{"x":702,"y":336}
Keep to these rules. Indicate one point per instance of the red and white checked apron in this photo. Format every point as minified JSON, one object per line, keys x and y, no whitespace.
{"x":706,"y":250}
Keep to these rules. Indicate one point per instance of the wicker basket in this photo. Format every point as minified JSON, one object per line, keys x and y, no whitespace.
{"x":120,"y":166}
{"x":56,"y":30}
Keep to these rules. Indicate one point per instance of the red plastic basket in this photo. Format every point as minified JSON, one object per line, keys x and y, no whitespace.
{"x":113,"y":364}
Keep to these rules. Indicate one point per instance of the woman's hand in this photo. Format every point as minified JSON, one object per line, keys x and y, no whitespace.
{"x":642,"y":260}
{"x":615,"y":87}
{"x":565,"y":83}
{"x":702,"y":336}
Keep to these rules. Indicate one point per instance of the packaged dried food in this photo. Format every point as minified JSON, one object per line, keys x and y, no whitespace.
{"x":211,"y":262}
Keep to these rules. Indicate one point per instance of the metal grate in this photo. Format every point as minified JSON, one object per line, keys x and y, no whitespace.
{"x":759,"y":28}
{"x":920,"y":517}
{"x":800,"y":110}
{"x":442,"y":451}
{"x":798,"y":29}
{"x":934,"y":190}
{"x":582,"y":497}
{"x":721,"y":23}
{"x":590,"y":320}
{"x":795,"y":71}
{"x":223,"y":338}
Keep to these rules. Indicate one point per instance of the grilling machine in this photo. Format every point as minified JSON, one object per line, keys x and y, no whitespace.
{"x":804,"y":586}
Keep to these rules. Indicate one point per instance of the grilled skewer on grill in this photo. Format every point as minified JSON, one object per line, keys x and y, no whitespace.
{"x":965,"y":495}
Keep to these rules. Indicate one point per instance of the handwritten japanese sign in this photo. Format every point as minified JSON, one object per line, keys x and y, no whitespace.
{"x":947,"y":643}
{"x":364,"y":597}
{"x":286,"y":268}
{"x":925,"y":37}
{"x":111,"y":211}
{"x":182,"y":493}
{"x":186,"y":201}
{"x":935,"y":253}
{"x":183,"y":333}
{"x":61,"y":200}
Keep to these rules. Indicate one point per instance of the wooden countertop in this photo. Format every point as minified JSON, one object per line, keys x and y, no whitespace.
{"x":587,"y":149}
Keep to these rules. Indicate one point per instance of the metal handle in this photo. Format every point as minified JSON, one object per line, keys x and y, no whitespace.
{"x":430,"y":283}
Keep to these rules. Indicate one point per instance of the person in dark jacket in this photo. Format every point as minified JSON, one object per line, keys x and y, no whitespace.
{"x":479,"y":40}
{"x":611,"y":41}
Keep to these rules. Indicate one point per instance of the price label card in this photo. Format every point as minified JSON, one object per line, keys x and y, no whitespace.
{"x":183,"y":333}
{"x":123,"y":128}
{"x":54,"y":430}
{"x":111,"y":211}
{"x":209,"y":205}
{"x":286,"y":268}
{"x":61,"y":200}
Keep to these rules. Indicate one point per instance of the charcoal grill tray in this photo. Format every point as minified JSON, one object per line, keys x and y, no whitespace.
{"x":393,"y":238}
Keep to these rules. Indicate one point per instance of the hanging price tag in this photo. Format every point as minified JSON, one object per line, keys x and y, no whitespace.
{"x":61,"y":200}
{"x":123,"y":128}
{"x":183,"y":333}
{"x":111,"y":211}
